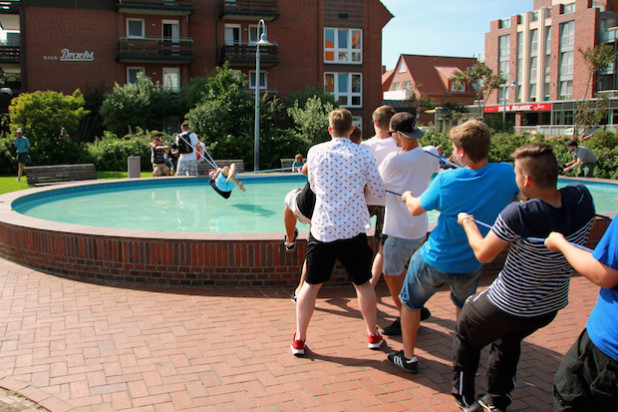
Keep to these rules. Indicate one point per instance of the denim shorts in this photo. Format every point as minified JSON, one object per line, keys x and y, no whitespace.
{"x":422,"y":281}
{"x":397,"y":254}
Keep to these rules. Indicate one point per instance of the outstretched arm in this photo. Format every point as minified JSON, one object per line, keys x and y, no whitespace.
{"x":484,"y":248}
{"x":412,"y":203}
{"x":583,"y":261}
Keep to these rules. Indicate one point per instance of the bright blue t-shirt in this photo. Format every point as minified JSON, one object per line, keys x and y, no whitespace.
{"x":22,"y":144}
{"x":482,"y":193}
{"x":602,"y":324}
{"x":223,"y":185}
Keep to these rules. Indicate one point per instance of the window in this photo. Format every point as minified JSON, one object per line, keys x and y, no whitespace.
{"x":566,"y":64}
{"x":567,"y":34}
{"x":133,"y":73}
{"x":396,"y":86}
{"x":358,"y":121}
{"x":346,"y":87}
{"x":253,"y":33}
{"x":568,"y":8}
{"x":504,"y":54}
{"x":343,"y":46}
{"x":534,"y":42}
{"x":505,"y":23}
{"x":171,"y":79}
{"x":402,"y":68}
{"x":458,"y":87}
{"x":263,"y":80}
{"x":232,"y":34}
{"x":407,"y":85}
{"x":566,"y":90}
{"x":548,"y":40}
{"x":135,"y":28}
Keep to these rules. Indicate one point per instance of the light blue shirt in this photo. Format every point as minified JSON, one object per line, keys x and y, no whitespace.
{"x":22,"y":144}
{"x":482,"y":193}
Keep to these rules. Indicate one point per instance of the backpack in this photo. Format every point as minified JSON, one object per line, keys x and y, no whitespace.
{"x":184,"y":143}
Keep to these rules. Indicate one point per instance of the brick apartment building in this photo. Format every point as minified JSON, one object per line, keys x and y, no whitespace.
{"x":69,"y":44}
{"x":537,"y":52}
{"x":418,"y":76}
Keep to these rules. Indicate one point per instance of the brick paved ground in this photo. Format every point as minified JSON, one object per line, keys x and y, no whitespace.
{"x":80,"y":347}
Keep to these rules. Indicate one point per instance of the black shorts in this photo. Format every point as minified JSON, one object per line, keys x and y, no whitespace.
{"x":23,"y":158}
{"x":355,"y":255}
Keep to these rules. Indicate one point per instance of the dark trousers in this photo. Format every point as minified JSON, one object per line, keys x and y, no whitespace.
{"x":587,"y":379}
{"x":480,"y":324}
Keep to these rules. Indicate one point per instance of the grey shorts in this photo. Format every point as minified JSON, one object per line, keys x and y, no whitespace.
{"x":397,"y":254}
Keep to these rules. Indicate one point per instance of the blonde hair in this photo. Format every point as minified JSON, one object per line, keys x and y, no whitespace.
{"x":340,"y":120}
{"x":382,"y":115}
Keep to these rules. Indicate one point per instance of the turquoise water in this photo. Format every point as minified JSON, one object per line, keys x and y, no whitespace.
{"x":191,"y":205}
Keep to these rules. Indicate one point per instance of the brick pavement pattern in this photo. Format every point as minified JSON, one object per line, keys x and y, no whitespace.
{"x":72,"y":346}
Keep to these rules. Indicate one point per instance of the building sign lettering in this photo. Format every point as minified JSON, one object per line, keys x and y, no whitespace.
{"x":67,"y":55}
{"x":528,"y":107}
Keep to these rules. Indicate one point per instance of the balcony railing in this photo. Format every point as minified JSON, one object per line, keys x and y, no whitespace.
{"x":9,"y":7}
{"x":157,"y":7}
{"x":9,"y":54}
{"x":244,"y":55}
{"x":155,"y":50}
{"x":249,"y":9}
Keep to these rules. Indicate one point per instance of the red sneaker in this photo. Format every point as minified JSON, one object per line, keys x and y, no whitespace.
{"x":375,"y":340}
{"x":297,"y":346}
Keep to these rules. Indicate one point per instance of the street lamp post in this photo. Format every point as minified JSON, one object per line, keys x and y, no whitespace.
{"x":256,"y":133}
{"x":504,"y":94}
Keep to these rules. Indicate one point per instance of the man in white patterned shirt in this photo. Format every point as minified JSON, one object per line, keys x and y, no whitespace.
{"x":338,"y":172}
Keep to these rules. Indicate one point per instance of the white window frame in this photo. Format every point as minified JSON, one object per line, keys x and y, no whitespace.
{"x":232,"y":26}
{"x":167,"y":87}
{"x":253,"y":30}
{"x":174,"y":38}
{"x":358,"y":120}
{"x":131,"y":19}
{"x":349,"y":52}
{"x":458,"y":87}
{"x":349,"y":94}
{"x":137,"y":69}
{"x":263,"y":76}
{"x":402,"y":68}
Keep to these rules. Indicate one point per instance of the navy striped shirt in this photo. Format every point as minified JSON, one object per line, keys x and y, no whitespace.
{"x":534,"y":280}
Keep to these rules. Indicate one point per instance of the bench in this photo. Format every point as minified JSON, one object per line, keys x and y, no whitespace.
{"x":286,"y":164}
{"x":43,"y":175}
{"x":204,"y":167}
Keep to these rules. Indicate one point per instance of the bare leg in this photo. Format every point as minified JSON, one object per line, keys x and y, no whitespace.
{"x":20,"y":170}
{"x":231,"y":173}
{"x":410,"y":324}
{"x":304,"y":308}
{"x":367,"y":302}
{"x":376,"y":269}
{"x":301,"y":282}
{"x":290,"y":223}
{"x":395,"y":283}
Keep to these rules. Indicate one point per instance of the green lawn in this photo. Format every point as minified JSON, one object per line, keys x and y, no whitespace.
{"x":8,"y":183}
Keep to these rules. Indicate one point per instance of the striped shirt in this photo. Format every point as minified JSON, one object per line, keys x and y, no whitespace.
{"x":535,"y":281}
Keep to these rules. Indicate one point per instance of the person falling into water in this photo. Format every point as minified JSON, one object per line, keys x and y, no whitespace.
{"x":224,"y":179}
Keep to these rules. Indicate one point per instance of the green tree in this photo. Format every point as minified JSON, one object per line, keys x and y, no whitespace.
{"x":140,"y":104}
{"x":482,"y":79}
{"x":42,"y":115}
{"x":588,"y":112}
{"x":310,"y":121}
{"x":303,"y":95}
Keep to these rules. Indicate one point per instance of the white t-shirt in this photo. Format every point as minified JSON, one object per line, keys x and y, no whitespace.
{"x":412,"y":171}
{"x":380,"y":148}
{"x":193,"y":141}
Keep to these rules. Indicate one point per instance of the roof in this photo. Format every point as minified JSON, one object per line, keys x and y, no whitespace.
{"x":433,"y":72}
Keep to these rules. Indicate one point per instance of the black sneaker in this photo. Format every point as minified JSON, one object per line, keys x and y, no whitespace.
{"x":425,"y":313}
{"x":489,"y":403}
{"x":290,"y":246}
{"x":408,"y":365}
{"x":465,"y":405}
{"x":394,"y":329}
{"x":293,"y":297}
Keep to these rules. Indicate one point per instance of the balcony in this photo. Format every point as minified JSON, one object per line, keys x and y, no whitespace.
{"x":244,"y":55}
{"x":155,"y":50}
{"x":10,"y":59}
{"x":251,"y":10}
{"x":403,"y":94}
{"x":156,"y":7}
{"x":9,"y":15}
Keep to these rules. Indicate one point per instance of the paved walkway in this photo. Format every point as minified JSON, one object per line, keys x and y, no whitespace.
{"x":72,"y":346}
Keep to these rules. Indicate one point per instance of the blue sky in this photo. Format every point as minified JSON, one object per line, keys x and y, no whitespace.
{"x":442,"y":27}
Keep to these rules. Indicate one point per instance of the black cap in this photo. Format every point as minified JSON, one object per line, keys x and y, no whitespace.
{"x":405,"y":123}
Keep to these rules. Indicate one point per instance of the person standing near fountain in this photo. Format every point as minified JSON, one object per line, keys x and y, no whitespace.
{"x":22,"y":144}
{"x":338,"y":171}
{"x":187,"y":142}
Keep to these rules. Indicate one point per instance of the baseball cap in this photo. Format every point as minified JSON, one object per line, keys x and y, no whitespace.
{"x":19,"y":130}
{"x":405,"y":123}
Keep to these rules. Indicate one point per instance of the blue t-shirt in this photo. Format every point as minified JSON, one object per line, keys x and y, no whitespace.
{"x":482,"y":193}
{"x":602,"y":324}
{"x":22,"y":144}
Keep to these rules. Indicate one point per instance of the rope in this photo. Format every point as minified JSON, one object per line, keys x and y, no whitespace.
{"x":209,"y":159}
{"x":456,"y":166}
{"x":273,"y":170}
